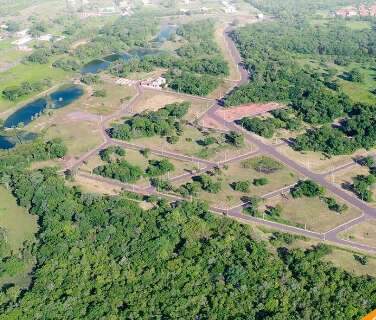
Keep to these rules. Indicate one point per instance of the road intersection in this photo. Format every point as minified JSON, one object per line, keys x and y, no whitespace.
{"x":261,"y":148}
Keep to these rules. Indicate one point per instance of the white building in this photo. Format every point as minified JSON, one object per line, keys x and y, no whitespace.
{"x":157,"y":83}
{"x":45,"y":37}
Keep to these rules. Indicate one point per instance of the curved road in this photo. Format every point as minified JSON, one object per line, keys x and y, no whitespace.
{"x":236,"y":212}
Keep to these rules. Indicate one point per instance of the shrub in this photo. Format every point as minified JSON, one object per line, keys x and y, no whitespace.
{"x":307,"y":188}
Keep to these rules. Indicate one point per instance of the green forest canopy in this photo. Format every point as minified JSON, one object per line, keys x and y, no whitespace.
{"x":104,"y":257}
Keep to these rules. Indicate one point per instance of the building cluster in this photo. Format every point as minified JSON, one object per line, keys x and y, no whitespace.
{"x":155,"y":83}
{"x":353,"y":11}
{"x":23,"y":37}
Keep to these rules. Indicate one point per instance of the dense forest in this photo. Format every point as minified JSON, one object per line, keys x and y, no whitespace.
{"x":104,"y":257}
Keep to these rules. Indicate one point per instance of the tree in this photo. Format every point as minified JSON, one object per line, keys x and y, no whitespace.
{"x":307,"y":188}
{"x":355,"y":75}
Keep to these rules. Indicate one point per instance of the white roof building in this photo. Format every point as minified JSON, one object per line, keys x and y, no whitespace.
{"x":45,"y":37}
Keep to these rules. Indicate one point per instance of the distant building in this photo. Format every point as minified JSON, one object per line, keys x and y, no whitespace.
{"x":157,"y":83}
{"x":45,"y":37}
{"x":260,"y":16}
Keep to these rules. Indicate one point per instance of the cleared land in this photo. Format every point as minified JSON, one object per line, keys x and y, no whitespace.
{"x":79,"y":137}
{"x":91,"y":186}
{"x":316,"y":161}
{"x":115,"y":96}
{"x":311,"y":213}
{"x":189,"y":145}
{"x":247,"y":110}
{"x":364,"y":232}
{"x":19,"y":224}
{"x":153,"y":100}
{"x":345,"y":260}
{"x":236,"y":172}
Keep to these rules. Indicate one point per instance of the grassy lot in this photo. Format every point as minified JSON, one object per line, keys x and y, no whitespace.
{"x":345,"y":260}
{"x":310,"y":212}
{"x":345,"y":177}
{"x":364,"y":232}
{"x":109,"y":104}
{"x":19,"y":224}
{"x":136,"y":158}
{"x":188,"y":145}
{"x":79,"y":137}
{"x":228,"y":197}
{"x":316,"y":161}
{"x":154,"y":100}
{"x":30,"y":72}
{"x":92,"y":186}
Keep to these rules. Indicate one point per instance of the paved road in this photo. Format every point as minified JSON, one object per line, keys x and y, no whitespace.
{"x":236,"y":212}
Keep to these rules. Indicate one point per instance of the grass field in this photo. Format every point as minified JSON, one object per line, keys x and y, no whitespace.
{"x":20,"y":225}
{"x":79,"y":137}
{"x":153,"y":100}
{"x":345,"y":260}
{"x":136,"y":158}
{"x":316,"y":161}
{"x":91,"y":186}
{"x":188,"y":145}
{"x":228,"y":197}
{"x":364,"y":232}
{"x":109,"y":104}
{"x":311,"y":213}
{"x":30,"y":72}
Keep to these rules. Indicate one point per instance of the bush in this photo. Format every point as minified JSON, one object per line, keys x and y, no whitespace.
{"x":208,"y":184}
{"x":260,"y":182}
{"x":262,"y":164}
{"x":242,"y":186}
{"x":159,"y":167}
{"x":307,"y":188}
{"x":100,"y":93}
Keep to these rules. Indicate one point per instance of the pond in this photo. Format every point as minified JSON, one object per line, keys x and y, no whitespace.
{"x":55,"y":100}
{"x":99,"y":65}
{"x":8,"y":142}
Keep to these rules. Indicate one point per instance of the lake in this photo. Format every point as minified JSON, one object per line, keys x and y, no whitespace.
{"x":56,"y":100}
